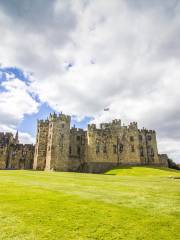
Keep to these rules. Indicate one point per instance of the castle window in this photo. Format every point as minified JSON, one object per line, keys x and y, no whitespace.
{"x":149,"y":150}
{"x":63,"y":125}
{"x":78,"y":151}
{"x":97,"y":148}
{"x":114,"y":149}
{"x":104,"y":149}
{"x":78,"y":138}
{"x":120,"y":147}
{"x":82,"y":141}
{"x":140,"y":138}
{"x":141,"y":152}
{"x":70,"y":150}
{"x":131,"y":138}
{"x":132,"y":148}
{"x":152,"y":152}
{"x":62,"y":138}
{"x":62,"y":141}
{"x":149,"y":137}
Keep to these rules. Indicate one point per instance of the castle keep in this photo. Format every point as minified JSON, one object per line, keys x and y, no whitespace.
{"x":62,"y":148}
{"x":14,"y":155}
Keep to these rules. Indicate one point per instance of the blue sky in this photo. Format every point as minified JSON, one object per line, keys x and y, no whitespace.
{"x":29,"y":122}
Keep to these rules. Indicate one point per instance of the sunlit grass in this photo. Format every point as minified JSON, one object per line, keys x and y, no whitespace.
{"x":138,"y":203}
{"x":143,"y":171}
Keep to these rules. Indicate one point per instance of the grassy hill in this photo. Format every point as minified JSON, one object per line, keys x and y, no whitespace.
{"x":142,"y":171}
{"x":125,"y":203}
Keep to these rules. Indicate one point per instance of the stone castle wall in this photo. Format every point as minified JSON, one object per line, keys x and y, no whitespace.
{"x":14,"y":155}
{"x":97,"y":149}
{"x":41,"y":145}
{"x":63,"y":149}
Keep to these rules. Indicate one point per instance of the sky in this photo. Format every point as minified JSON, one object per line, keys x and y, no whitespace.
{"x":81,"y":56}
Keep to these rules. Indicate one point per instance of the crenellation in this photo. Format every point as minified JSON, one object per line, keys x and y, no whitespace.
{"x":91,"y":127}
{"x":133,"y":126}
{"x":61,"y":148}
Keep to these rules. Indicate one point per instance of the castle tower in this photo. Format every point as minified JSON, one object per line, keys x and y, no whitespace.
{"x":131,"y":154}
{"x":151,"y":148}
{"x":41,"y":145}
{"x":58,"y":142}
{"x":148,"y":147}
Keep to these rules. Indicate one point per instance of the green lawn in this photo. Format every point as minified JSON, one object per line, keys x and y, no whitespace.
{"x":127,"y":203}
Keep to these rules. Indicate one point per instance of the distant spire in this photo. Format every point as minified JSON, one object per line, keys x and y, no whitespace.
{"x":17,"y":137}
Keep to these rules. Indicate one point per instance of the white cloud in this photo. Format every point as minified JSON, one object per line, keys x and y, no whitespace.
{"x":26,"y":138}
{"x":124,"y":55}
{"x":15,"y":101}
{"x":170,"y":147}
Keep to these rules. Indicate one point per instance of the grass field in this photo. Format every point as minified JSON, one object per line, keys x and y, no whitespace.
{"x":127,"y":203}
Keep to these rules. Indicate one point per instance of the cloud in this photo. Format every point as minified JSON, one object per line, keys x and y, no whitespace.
{"x":87,"y":55}
{"x":26,"y":138}
{"x":170,"y":146}
{"x":16,"y":100}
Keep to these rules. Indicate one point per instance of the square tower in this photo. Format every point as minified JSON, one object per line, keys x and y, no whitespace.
{"x":58,"y":142}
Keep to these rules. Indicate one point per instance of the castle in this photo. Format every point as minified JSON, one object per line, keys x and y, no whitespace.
{"x":62,"y":148}
{"x":14,"y":155}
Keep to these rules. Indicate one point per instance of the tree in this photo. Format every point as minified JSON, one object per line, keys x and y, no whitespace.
{"x":172,"y":164}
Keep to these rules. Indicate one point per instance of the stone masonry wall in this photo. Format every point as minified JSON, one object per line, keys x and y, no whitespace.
{"x":14,"y":155}
{"x":63,"y":149}
{"x":58,"y":143}
{"x":41,"y":145}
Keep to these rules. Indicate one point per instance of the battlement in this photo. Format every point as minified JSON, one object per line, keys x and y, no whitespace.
{"x":116,"y":123}
{"x":6,"y":138}
{"x":43,"y":122}
{"x":61,"y":117}
{"x":62,"y":148}
{"x":28,"y":146}
{"x":92,"y":127}
{"x":105,"y":125}
{"x":78,"y":130}
{"x":6,"y":134}
{"x":146,"y":131}
{"x":133,"y":125}
{"x":15,"y":155}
